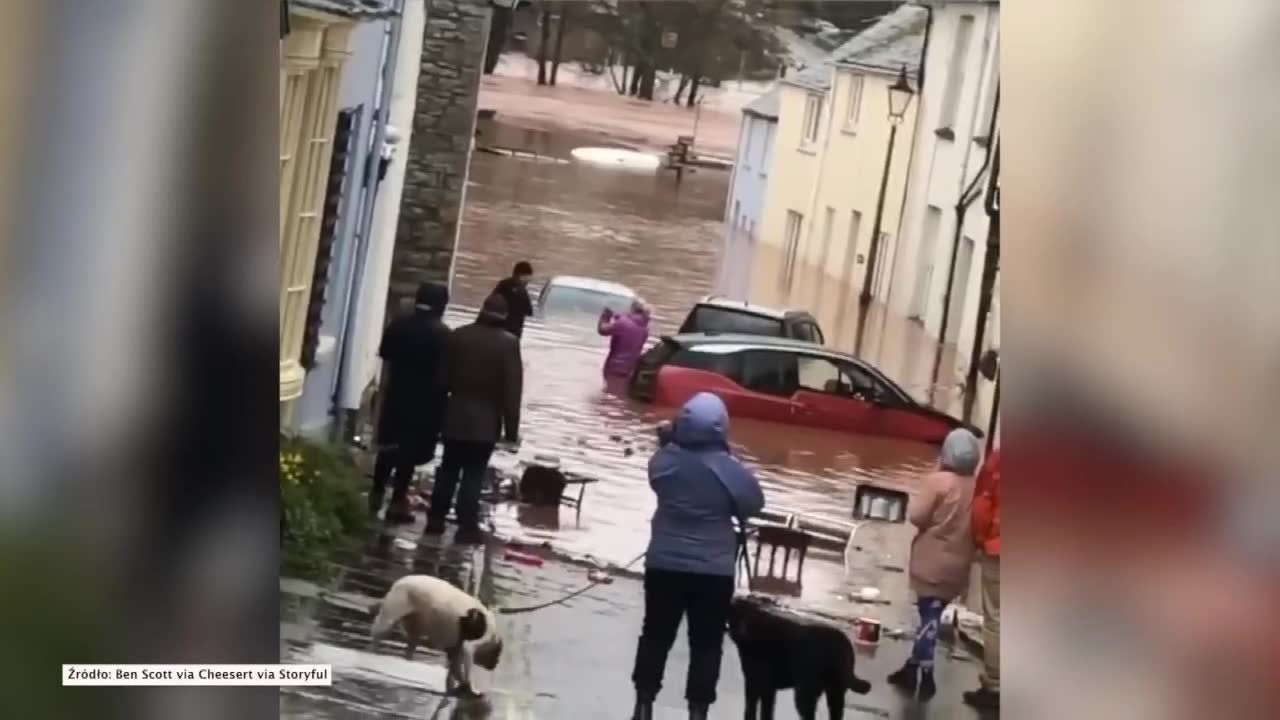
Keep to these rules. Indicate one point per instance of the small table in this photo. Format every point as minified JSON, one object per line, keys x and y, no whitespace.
{"x":582,"y":481}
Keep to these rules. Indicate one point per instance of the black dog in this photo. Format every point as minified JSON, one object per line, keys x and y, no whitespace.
{"x":781,"y":651}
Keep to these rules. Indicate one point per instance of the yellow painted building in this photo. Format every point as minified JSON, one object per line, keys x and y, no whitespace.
{"x":826,"y":171}
{"x":313,"y":53}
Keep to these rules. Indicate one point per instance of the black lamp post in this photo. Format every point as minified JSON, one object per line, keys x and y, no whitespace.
{"x":900,"y":94}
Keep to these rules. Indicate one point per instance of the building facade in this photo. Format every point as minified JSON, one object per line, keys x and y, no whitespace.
{"x":828,"y":164}
{"x":354,"y":182}
{"x":319,"y":42}
{"x":744,"y":212}
{"x":958,"y":106}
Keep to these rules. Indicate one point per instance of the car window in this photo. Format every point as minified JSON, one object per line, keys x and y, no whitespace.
{"x":805,"y":331}
{"x":708,"y":319}
{"x":871,"y":386}
{"x":769,"y":372}
{"x":726,"y":364}
{"x":571,"y":300}
{"x":822,"y":375}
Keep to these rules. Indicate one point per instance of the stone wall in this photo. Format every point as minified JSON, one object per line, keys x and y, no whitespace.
{"x":453,"y":51}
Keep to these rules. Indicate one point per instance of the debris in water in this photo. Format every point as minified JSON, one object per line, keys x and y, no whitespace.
{"x":523,"y":558}
{"x":600,"y":576}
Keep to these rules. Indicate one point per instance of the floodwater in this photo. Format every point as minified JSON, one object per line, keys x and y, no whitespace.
{"x":661,"y":239}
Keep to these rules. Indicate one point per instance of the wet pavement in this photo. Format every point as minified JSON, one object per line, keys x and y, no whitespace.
{"x":662,"y":239}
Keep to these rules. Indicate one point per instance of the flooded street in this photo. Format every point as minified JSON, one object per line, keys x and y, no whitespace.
{"x":662,"y":240}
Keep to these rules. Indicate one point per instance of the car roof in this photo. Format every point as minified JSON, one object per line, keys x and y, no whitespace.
{"x":754,"y":309}
{"x":593,"y":284}
{"x":758,"y":342}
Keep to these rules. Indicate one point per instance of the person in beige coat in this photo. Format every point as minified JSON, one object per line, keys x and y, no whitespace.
{"x":941,"y":553}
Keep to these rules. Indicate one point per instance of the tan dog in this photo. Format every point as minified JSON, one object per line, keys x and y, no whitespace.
{"x":439,"y":616}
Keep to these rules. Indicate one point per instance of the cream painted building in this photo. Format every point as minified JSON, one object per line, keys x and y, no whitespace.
{"x":828,"y":163}
{"x":313,"y":53}
{"x":942,"y":246}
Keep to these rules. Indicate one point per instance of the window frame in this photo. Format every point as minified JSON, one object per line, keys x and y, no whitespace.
{"x":811,"y":130}
{"x":853,"y":106}
{"x":791,"y":247}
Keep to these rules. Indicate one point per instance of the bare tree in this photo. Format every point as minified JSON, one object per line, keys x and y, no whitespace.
{"x":561,"y":27}
{"x":543,"y":41}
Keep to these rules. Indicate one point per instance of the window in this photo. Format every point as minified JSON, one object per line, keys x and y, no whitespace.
{"x":854,"y":109}
{"x":877,"y":282}
{"x":955,"y":78}
{"x":821,"y":375}
{"x":791,"y":248}
{"x":564,"y":300}
{"x":749,"y":135}
{"x":807,"y":332}
{"x":709,"y":319}
{"x":765,"y":148}
{"x":769,"y":372}
{"x":720,"y":363}
{"x":812,"y":120}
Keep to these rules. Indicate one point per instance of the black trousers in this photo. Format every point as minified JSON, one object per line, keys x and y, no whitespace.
{"x":466,"y":463}
{"x":669,"y":596}
{"x":391,"y":465}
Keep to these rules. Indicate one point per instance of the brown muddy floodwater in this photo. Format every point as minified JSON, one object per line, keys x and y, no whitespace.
{"x":663,"y":241}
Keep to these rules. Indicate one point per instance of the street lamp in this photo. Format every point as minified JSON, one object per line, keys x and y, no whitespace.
{"x":900,"y":94}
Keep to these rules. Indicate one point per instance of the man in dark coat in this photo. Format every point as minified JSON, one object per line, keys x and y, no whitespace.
{"x":515,"y":290}
{"x":484,"y":377}
{"x":413,"y":403}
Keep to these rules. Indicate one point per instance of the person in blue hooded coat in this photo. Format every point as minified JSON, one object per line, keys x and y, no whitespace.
{"x":689,"y":568}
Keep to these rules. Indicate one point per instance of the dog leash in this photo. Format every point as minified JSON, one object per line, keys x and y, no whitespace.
{"x":565,"y":598}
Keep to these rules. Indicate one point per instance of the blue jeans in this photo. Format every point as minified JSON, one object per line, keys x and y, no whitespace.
{"x":927,"y":636}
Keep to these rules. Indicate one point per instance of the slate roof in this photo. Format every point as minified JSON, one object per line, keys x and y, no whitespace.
{"x":766,"y":106}
{"x":357,"y":9}
{"x":894,"y":40}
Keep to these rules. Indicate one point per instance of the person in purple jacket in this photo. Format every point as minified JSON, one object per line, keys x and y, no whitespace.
{"x":627,"y":335}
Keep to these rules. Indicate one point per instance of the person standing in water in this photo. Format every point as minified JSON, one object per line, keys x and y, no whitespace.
{"x":627,"y":333}
{"x":515,"y":290}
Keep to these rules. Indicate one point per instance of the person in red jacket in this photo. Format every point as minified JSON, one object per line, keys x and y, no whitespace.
{"x":986,"y":534}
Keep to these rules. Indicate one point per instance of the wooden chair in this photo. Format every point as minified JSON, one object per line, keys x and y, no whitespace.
{"x":789,"y":541}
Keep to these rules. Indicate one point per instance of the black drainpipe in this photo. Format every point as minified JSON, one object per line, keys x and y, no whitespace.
{"x":990,"y":267}
{"x":962,"y":208}
{"x":284,"y":18}
{"x":924,"y":50}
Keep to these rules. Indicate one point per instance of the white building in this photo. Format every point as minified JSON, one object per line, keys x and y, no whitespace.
{"x":951,"y":152}
{"x":744,"y":212}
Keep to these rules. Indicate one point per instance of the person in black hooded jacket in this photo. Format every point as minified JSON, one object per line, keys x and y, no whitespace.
{"x":414,"y":398}
{"x":515,"y":290}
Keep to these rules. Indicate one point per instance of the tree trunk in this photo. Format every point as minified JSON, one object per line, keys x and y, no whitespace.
{"x":497,"y":38}
{"x":542,"y":43}
{"x":638,"y":73}
{"x":559,"y":49}
{"x":693,"y":89}
{"x":647,"y":83}
{"x":684,"y":83}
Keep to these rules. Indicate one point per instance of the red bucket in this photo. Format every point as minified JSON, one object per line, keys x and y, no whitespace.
{"x":866,"y":631}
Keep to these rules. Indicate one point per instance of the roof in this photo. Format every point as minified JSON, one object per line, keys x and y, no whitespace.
{"x":765,"y":106}
{"x":895,"y":40}
{"x":356,"y":9}
{"x":592,"y":284}
{"x":742,"y":305}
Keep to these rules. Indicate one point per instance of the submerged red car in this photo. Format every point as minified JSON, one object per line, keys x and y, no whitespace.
{"x":786,"y":381}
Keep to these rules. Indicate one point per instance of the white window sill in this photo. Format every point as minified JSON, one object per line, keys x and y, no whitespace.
{"x":808,"y":149}
{"x":853,"y":131}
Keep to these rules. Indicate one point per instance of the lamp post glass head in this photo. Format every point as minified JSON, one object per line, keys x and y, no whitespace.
{"x":900,"y":94}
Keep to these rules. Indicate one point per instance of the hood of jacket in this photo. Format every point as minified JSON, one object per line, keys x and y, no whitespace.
{"x":703,"y":423}
{"x":961,"y":452}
